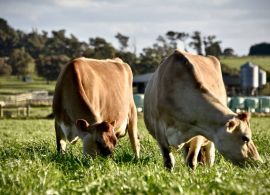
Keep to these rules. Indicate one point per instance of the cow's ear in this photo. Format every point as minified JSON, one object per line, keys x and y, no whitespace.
{"x":244,"y":116}
{"x":231,"y":125}
{"x":82,"y":125}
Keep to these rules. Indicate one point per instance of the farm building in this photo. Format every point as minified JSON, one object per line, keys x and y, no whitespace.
{"x":250,"y":79}
{"x":232,"y":83}
{"x":140,"y":82}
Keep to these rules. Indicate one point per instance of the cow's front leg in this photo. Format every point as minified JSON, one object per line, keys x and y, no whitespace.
{"x":61,"y":144}
{"x":168,"y":157}
{"x":133,"y":131}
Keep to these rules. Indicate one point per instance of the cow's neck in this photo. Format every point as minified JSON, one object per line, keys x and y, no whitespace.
{"x":216,"y":117}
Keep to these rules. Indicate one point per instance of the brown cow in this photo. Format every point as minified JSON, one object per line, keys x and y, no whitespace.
{"x":186,"y":97}
{"x":93,"y":100}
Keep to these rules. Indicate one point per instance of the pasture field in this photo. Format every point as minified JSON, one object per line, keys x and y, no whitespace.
{"x":236,"y":62}
{"x":13,"y":85}
{"x":29,"y":164}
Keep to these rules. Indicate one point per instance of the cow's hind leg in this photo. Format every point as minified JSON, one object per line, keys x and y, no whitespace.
{"x":193,"y":152}
{"x":210,"y":153}
{"x":202,"y":156}
{"x":60,"y":139}
{"x":185,"y":150}
{"x":133,"y":131}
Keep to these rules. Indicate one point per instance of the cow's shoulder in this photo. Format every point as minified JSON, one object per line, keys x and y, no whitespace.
{"x":116,"y":64}
{"x":198,"y":63}
{"x":180,"y":64}
{"x":215,"y":62}
{"x":120,"y":64}
{"x":204,"y":69}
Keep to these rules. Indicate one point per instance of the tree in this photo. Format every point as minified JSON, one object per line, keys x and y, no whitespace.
{"x":57,"y":44}
{"x":149,"y":61}
{"x":182,"y":36}
{"x":89,"y":53}
{"x":175,"y":36}
{"x":260,"y":49}
{"x":127,"y":57}
{"x":151,"y":57}
{"x":5,"y":69}
{"x":75,"y":47}
{"x":123,"y":41}
{"x":8,"y":38}
{"x":49,"y":67}
{"x":102,"y":49}
{"x":21,"y":62}
{"x":162,"y":47}
{"x":172,"y":36}
{"x":211,"y":46}
{"x":34,"y":43}
{"x":60,"y":44}
{"x":197,"y":42}
{"x":228,"y":52}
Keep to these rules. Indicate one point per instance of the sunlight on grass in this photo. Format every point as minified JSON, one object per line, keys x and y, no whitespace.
{"x":29,"y":164}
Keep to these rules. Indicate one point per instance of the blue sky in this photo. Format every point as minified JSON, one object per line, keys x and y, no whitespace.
{"x":238,"y":23}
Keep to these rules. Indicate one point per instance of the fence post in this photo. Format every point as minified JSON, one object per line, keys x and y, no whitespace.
{"x":1,"y":111}
{"x":28,"y":110}
{"x":18,"y":111}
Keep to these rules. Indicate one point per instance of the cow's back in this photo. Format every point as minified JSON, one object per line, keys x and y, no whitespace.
{"x":96,"y":90}
{"x":182,"y":89}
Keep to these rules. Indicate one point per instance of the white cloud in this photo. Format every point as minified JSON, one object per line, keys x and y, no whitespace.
{"x":237,"y":23}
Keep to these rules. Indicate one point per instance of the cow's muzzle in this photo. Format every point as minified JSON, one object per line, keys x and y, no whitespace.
{"x":106,"y":151}
{"x":253,"y":152}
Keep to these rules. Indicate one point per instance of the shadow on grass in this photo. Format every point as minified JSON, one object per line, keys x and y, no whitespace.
{"x":131,"y":159}
{"x":72,"y":160}
{"x":69,"y":161}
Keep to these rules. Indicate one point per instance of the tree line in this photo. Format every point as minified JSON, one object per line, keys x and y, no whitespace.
{"x":26,"y":54}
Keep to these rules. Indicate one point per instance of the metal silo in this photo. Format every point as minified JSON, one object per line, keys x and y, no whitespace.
{"x":249,"y":78}
{"x":262,"y":78}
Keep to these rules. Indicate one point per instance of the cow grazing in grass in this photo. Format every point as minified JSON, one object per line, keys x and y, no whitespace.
{"x":186,"y":97}
{"x":199,"y":150}
{"x":93,"y":100}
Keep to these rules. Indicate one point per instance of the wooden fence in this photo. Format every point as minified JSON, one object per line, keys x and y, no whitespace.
{"x":20,"y":110}
{"x":19,"y":105}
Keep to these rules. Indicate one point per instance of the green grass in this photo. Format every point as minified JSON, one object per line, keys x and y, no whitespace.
{"x":29,"y":164}
{"x":35,"y":113}
{"x":236,"y":62}
{"x":13,"y":85}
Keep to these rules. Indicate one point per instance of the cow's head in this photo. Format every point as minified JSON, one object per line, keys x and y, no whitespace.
{"x":100,"y":138}
{"x":234,"y":141}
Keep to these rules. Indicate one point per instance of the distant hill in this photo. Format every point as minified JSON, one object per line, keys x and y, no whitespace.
{"x":236,"y":62}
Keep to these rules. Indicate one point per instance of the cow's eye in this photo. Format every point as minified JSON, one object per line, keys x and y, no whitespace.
{"x":245,"y":138}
